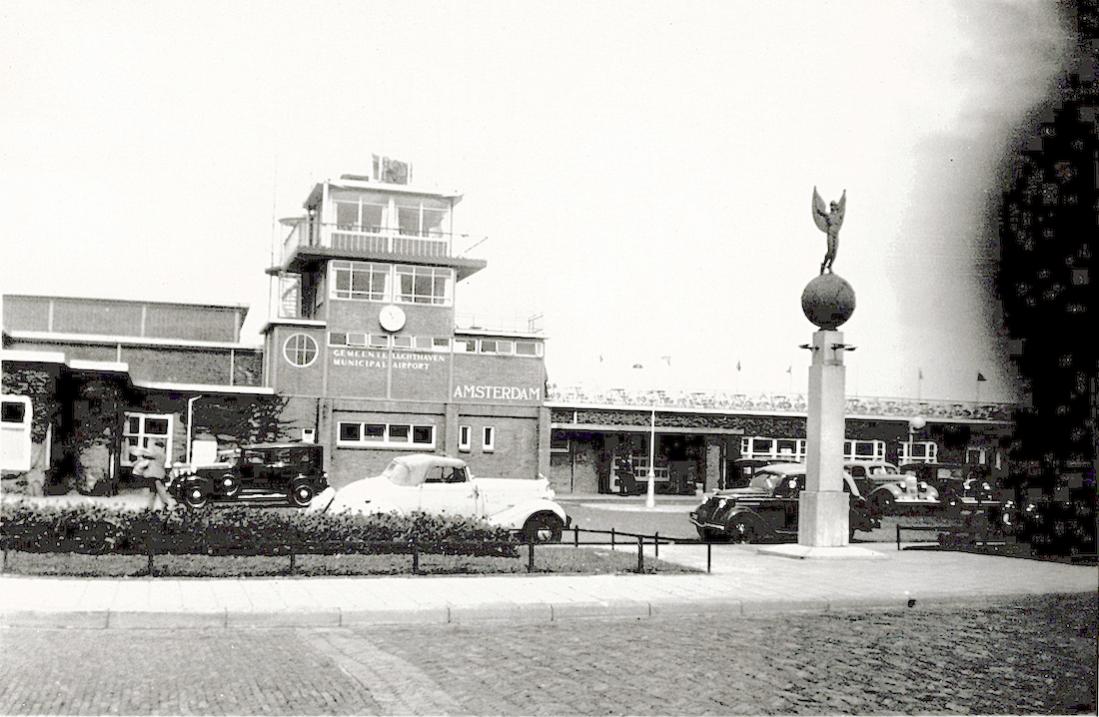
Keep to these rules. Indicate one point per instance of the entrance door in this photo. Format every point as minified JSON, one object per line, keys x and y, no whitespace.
{"x":15,"y":433}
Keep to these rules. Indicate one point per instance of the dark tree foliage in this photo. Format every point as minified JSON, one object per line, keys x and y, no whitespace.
{"x":1047,"y":286}
{"x":240,"y":420}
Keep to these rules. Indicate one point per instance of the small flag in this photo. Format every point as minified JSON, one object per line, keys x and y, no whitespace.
{"x":919,"y":373}
{"x":600,"y":358}
{"x":981,"y":376}
{"x":790,"y":370}
{"x":738,"y":365}
{"x":637,"y":365}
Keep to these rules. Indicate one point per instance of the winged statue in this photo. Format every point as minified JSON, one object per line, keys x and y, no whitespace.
{"x":829,"y":222}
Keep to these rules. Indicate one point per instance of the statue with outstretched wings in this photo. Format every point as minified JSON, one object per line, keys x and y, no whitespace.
{"x":829,"y":222}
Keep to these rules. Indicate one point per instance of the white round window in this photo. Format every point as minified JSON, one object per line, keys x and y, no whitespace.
{"x":300,"y":350}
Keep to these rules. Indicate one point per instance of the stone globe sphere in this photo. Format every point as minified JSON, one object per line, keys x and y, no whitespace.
{"x":828,"y":301}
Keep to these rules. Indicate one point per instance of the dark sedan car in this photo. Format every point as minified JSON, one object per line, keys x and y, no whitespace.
{"x":293,"y":470}
{"x":767,"y":509}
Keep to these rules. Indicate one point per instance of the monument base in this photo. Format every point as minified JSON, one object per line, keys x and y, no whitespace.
{"x":823,"y":517}
{"x":808,"y":552}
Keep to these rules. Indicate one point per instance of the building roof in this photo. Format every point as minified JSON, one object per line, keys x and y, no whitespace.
{"x":241,"y":308}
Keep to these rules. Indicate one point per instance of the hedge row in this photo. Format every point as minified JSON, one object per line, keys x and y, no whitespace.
{"x":240,"y":530}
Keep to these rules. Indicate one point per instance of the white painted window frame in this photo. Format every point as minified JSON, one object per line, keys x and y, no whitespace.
{"x":144,"y":437}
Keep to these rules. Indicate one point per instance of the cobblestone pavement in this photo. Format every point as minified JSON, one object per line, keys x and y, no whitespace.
{"x":1032,"y":656}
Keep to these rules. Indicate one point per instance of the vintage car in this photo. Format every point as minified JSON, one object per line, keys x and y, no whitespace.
{"x":739,"y":472}
{"x":439,"y":484}
{"x":292,"y":470}
{"x":868,"y":474}
{"x":959,"y":485}
{"x":768,"y":511}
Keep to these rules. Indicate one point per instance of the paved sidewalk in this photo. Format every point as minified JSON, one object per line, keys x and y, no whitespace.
{"x":743,"y":582}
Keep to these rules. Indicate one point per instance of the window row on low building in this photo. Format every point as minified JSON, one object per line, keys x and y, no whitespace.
{"x":439,"y":344}
{"x":357,"y":434}
{"x":793,"y":449}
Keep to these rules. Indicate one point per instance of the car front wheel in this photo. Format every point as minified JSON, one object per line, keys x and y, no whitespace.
{"x":194,"y":496}
{"x":884,"y":502}
{"x":301,"y":495}
{"x":543,"y":528}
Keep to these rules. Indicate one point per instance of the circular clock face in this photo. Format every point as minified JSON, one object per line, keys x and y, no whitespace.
{"x":391,"y":318}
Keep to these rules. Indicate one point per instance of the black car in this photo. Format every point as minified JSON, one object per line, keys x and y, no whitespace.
{"x":293,"y":470}
{"x":752,"y":516}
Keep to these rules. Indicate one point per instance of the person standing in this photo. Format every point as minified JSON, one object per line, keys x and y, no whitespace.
{"x":150,"y":465}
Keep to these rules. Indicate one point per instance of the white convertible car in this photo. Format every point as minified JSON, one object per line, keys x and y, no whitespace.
{"x":438,"y":484}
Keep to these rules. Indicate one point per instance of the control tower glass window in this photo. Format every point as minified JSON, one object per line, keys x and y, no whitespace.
{"x":359,"y":212}
{"x":421,"y":216}
{"x":425,"y":285}
{"x":359,"y":280}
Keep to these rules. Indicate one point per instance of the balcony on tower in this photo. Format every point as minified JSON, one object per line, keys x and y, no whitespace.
{"x":356,"y":218}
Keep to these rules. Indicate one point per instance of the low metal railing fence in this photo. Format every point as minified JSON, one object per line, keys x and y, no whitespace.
{"x":152,"y":549}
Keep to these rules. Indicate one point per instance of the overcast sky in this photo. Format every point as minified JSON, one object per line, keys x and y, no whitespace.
{"x":643,"y":171}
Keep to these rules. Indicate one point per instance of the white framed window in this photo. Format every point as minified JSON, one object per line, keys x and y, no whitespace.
{"x":497,"y":346}
{"x":559,"y":441}
{"x":864,"y":450}
{"x":528,"y":348}
{"x":300,"y":350}
{"x":421,"y":216}
{"x":351,"y":434}
{"x":976,"y":455}
{"x":465,"y":346}
{"x":142,"y":430}
{"x":377,"y":341}
{"x":465,"y":438}
{"x":424,"y":285}
{"x":488,"y":439}
{"x":353,"y":339}
{"x":919,"y":452}
{"x":360,"y":281}
{"x":356,"y":211}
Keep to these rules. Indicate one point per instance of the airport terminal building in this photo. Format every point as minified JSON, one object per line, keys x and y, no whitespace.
{"x":365,"y":354}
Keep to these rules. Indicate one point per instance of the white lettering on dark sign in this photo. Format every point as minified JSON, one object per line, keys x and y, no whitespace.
{"x":498,"y":393}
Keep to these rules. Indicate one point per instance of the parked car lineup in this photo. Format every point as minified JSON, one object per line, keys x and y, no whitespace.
{"x":766,"y":510}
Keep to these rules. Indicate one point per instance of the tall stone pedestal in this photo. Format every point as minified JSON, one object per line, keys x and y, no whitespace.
{"x":823,"y":507}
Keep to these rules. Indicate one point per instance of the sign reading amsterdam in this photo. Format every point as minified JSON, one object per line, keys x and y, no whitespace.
{"x":498,"y":393}
{"x":365,"y":358}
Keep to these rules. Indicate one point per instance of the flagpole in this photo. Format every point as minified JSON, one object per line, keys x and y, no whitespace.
{"x":919,"y":384}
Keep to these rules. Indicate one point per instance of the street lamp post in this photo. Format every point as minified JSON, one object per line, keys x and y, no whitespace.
{"x":914,"y":424}
{"x":650,"y":490}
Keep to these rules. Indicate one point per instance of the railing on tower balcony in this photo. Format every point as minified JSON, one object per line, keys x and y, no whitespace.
{"x":390,"y":240}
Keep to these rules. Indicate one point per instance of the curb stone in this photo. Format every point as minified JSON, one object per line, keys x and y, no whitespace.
{"x":524,"y":613}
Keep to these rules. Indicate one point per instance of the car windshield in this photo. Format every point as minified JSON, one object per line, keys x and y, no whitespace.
{"x":398,"y":474}
{"x":765,"y":480}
